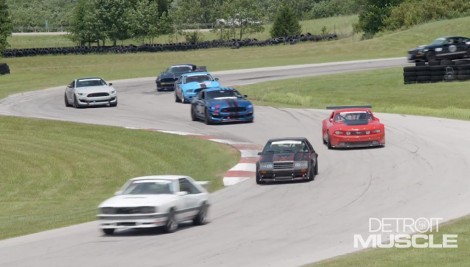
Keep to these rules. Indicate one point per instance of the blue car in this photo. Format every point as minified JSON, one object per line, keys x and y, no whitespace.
{"x":189,"y":85}
{"x":218,"y":105}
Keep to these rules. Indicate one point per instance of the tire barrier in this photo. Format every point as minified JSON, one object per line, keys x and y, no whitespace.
{"x":234,"y":43}
{"x":4,"y":69}
{"x":447,"y":70}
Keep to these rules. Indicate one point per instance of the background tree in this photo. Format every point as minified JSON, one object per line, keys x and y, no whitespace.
{"x":5,"y":25}
{"x":285,"y":23}
{"x":116,"y":17}
{"x":146,"y":20}
{"x":241,"y":17}
{"x":84,"y":26}
{"x":373,"y":16}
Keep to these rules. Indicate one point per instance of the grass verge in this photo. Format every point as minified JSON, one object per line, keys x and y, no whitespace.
{"x":383,"y":89}
{"x":56,"y":173}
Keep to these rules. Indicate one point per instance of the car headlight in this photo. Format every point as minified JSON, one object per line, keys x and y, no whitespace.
{"x":107,"y":210}
{"x":212,"y":108}
{"x":113,"y":92}
{"x":81,"y":94}
{"x":301,"y":165}
{"x":147,"y":210}
{"x":376,"y":131}
{"x":249,"y":107}
{"x":266,"y":166}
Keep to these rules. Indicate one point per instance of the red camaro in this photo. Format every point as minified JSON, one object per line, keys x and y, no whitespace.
{"x":352,"y":127}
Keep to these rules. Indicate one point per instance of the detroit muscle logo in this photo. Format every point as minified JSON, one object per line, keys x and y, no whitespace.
{"x":405,"y":233}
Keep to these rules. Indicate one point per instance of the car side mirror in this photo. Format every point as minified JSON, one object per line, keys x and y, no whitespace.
{"x":110,"y":84}
{"x":216,"y":79}
{"x":260,"y":153}
{"x":331,"y":119}
{"x":245,"y":95}
{"x":181,"y":193}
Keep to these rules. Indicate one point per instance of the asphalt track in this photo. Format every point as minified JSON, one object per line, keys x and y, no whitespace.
{"x":422,"y":172}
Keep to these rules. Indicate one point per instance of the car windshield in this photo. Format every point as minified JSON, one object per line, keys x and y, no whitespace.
{"x":223,"y":94}
{"x":90,"y":82}
{"x":198,"y":78}
{"x":148,"y":188}
{"x":352,"y":116}
{"x":180,"y":69}
{"x":439,"y":41}
{"x":286,"y":146}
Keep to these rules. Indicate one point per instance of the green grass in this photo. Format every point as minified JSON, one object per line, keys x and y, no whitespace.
{"x":383,"y":89}
{"x":56,"y":173}
{"x":413,"y":257}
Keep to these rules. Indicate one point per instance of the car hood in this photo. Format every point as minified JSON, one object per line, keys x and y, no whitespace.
{"x":229,"y":102}
{"x":95,"y":89}
{"x":167,"y":75}
{"x":274,"y":157}
{"x":424,"y":47}
{"x":203,"y":85}
{"x":138,"y":200}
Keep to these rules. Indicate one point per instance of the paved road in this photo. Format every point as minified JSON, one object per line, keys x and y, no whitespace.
{"x":422,"y":172}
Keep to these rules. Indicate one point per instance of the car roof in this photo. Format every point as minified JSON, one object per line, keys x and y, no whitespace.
{"x":159,"y":177}
{"x":287,"y":138}
{"x":183,"y":65}
{"x":196,"y":73}
{"x":220,"y":89}
{"x":89,"y":78}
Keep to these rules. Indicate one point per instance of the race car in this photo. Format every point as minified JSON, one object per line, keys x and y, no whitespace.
{"x":88,"y":92}
{"x":189,"y":85}
{"x":166,"y":80}
{"x":449,"y":47}
{"x":352,"y":127}
{"x":220,"y":104}
{"x":287,"y":159}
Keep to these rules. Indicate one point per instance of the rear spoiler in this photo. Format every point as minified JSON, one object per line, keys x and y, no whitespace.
{"x":201,"y":68}
{"x":342,"y":107}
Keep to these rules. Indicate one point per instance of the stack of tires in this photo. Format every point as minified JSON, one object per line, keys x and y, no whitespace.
{"x":457,"y":70}
{"x":4,"y":69}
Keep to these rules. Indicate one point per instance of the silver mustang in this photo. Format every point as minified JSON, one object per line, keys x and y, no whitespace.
{"x":87,"y":92}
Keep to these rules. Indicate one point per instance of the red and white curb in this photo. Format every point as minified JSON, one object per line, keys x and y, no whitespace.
{"x":245,"y":169}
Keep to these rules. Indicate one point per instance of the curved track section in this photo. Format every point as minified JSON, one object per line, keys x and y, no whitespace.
{"x":422,"y":172}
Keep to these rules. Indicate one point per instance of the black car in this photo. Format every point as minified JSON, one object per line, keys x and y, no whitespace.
{"x":287,"y":159}
{"x":166,"y":80}
{"x":449,"y":47}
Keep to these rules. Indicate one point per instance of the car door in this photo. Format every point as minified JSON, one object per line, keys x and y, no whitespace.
{"x":200,"y":106}
{"x":460,"y":45}
{"x":191,"y":199}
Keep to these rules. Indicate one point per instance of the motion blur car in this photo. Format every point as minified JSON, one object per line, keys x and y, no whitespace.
{"x":87,"y":92}
{"x":287,"y":159}
{"x":166,"y":80}
{"x":189,"y":85}
{"x":352,"y":127}
{"x":449,"y":47}
{"x":217,"y":105}
{"x":155,"y":201}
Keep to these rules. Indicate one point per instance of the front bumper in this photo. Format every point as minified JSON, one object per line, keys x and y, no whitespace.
{"x":221,"y":117}
{"x":96,"y":101}
{"x":131,"y":221}
{"x":342,"y":141}
{"x":283,"y":175}
{"x":165,"y":86}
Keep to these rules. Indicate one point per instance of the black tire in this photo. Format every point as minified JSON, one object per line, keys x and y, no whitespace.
{"x":171,"y":224}
{"x":177,"y":99}
{"x":75,"y":102}
{"x":328,"y":144}
{"x":193,"y":114}
{"x":207,"y":118}
{"x":108,"y":231}
{"x":201,"y":217}
{"x":409,"y":69}
{"x":258,"y":178}
{"x":311,"y":174}
{"x":67,"y":104}
{"x":409,"y":74}
{"x":430,"y":56}
{"x":446,"y":62}
{"x":315,"y":170}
